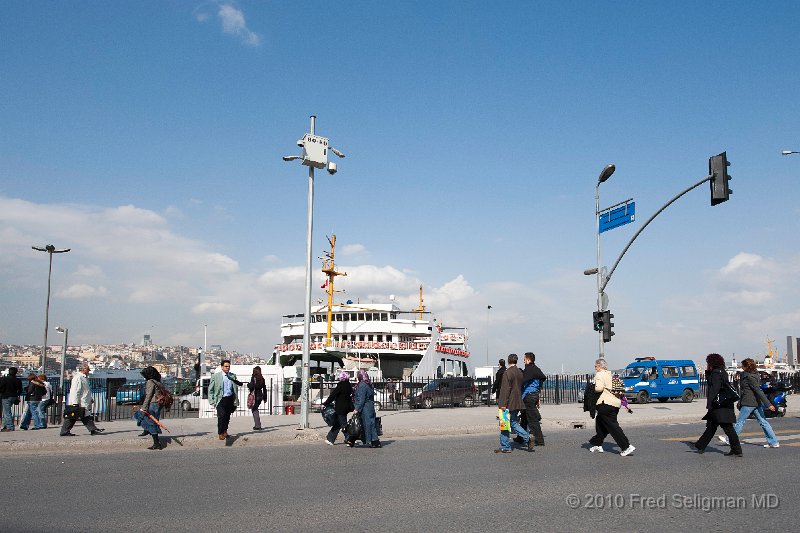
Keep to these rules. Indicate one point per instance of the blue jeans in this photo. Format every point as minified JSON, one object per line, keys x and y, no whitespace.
{"x":31,"y":412}
{"x":43,"y":414}
{"x":759,"y":412}
{"x":505,"y":436}
{"x":8,"y":418}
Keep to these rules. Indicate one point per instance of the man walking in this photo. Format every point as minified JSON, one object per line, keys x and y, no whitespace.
{"x":532,"y":380}
{"x":223,"y":393}
{"x":10,"y":389}
{"x":498,"y":378}
{"x":80,"y":395}
{"x":511,"y":398}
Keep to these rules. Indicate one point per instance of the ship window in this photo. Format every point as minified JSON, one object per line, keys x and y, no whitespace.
{"x":388,"y":338}
{"x":369,"y":338}
{"x":380,"y":338}
{"x":394,"y":316}
{"x":369,"y":316}
{"x":353,"y":317}
{"x":352,"y":337}
{"x":346,"y":317}
{"x":361,"y":316}
{"x":361,"y":337}
{"x":384,"y":317}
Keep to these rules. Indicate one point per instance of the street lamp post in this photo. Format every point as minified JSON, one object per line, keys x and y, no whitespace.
{"x":62,"y":398}
{"x":315,"y":155}
{"x":604,"y":175}
{"x":488,"y":328}
{"x":50,"y":249}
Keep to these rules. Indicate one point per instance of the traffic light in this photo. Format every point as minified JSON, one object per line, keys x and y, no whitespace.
{"x":598,"y":320}
{"x":607,"y":325}
{"x":718,"y":170}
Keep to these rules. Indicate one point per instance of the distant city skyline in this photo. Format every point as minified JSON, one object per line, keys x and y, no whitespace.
{"x":148,"y":137}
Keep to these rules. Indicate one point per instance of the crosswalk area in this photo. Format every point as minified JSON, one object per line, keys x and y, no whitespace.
{"x":787,"y":437}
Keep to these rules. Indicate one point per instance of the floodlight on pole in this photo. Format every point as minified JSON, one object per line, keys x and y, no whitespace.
{"x":315,"y":155}
{"x":50,"y":249}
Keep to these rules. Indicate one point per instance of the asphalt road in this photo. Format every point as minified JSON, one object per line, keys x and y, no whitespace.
{"x":413,"y":484}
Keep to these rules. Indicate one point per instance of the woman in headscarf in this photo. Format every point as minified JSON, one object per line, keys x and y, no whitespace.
{"x":365,"y":406}
{"x":149,"y":405}
{"x":718,"y":415}
{"x":342,"y":400}
{"x":258,"y":386}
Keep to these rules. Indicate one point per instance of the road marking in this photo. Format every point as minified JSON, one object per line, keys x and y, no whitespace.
{"x":789,"y":433}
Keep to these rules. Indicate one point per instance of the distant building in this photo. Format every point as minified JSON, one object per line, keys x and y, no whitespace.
{"x":146,"y":340}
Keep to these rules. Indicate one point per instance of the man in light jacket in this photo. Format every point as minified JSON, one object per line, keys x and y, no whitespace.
{"x":80,"y":395}
{"x":223,"y":393}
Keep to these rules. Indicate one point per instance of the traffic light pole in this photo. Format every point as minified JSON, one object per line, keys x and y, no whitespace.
{"x":602,"y":287}
{"x":601,"y":349}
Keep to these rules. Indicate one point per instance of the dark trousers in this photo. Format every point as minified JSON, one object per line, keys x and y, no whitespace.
{"x":711,"y":429}
{"x":69,"y":423}
{"x":339,"y":423}
{"x":225,"y":408}
{"x":534,"y":418}
{"x":605,"y":423}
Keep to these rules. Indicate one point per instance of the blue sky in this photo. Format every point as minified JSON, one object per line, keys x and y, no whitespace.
{"x":147,"y":136}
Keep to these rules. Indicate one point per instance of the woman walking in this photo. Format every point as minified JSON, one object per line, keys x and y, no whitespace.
{"x":608,"y":405}
{"x":342,"y":400}
{"x":753,"y":401}
{"x":717,"y":415}
{"x":365,"y":407}
{"x":257,"y":386}
{"x":150,"y":406}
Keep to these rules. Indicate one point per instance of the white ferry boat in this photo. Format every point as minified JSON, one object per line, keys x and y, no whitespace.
{"x":399,"y":344}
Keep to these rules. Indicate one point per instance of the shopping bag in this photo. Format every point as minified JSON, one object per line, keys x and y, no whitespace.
{"x":355,"y":427}
{"x":329,"y":414}
{"x":505,"y":419}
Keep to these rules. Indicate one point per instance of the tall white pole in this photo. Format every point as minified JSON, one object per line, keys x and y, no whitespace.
{"x":307,"y":319}
{"x":205,"y":349}
{"x":62,"y":398}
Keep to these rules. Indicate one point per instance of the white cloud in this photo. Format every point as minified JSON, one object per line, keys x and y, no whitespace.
{"x":741,"y":261}
{"x":233,"y":23}
{"x":81,"y":290}
{"x":213,"y":307}
{"x":353,"y":249}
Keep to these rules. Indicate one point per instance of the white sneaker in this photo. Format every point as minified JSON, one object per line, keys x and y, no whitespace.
{"x":724,"y":440}
{"x":328,"y":442}
{"x":776,"y":445}
{"x":598,"y":449}
{"x":629,"y":450}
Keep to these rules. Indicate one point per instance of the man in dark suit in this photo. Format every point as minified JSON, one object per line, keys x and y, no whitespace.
{"x":498,"y":378}
{"x":511,"y":398}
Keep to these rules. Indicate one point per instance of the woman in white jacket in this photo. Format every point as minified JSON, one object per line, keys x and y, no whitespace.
{"x":607,"y":409}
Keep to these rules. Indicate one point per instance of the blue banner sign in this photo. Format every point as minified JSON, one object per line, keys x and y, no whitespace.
{"x":618,"y":216}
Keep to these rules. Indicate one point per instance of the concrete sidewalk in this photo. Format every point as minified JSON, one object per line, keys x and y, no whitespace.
{"x":194,"y":433}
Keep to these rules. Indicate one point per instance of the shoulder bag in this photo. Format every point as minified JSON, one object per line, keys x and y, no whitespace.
{"x":727,"y":396}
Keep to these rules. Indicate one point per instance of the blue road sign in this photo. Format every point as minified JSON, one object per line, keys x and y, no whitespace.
{"x":618,"y":216}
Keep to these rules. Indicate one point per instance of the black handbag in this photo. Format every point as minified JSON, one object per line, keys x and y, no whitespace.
{"x":355,"y":427}
{"x":329,"y":414}
{"x":74,"y":412}
{"x":727,"y":396}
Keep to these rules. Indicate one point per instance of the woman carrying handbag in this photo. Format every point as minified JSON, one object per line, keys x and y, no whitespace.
{"x":719,"y":402}
{"x":342,"y":400}
{"x":258,"y":391}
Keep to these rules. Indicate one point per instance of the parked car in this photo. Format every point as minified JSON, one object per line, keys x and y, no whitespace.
{"x":187,"y":402}
{"x":446,"y":391}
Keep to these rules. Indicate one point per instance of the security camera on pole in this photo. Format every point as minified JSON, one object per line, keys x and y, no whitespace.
{"x":315,"y":155}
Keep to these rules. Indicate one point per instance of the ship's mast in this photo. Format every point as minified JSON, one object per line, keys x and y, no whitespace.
{"x":421,"y":308}
{"x":329,"y":269}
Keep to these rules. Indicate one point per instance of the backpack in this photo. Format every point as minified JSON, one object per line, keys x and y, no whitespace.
{"x":590,"y":397}
{"x":162,"y":396}
{"x":617,"y":387}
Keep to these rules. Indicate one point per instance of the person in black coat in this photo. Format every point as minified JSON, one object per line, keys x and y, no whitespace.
{"x":342,"y":398}
{"x":498,"y":378}
{"x":717,"y":416}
